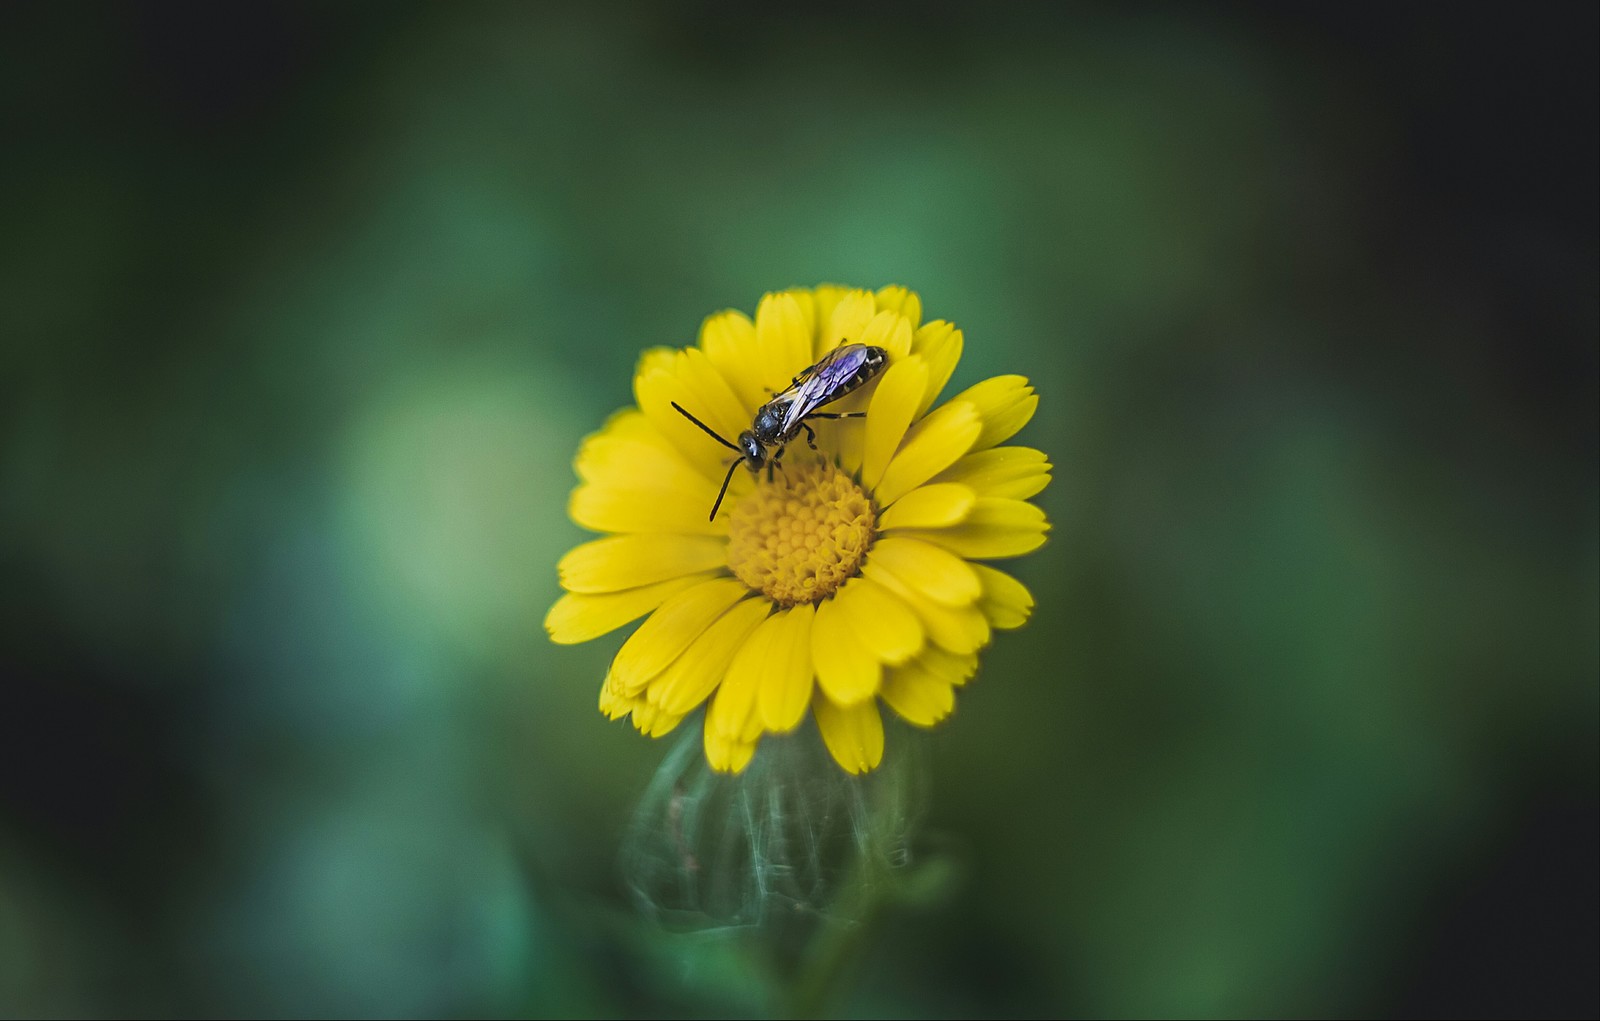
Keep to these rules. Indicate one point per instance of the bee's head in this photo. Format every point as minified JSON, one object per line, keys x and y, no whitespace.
{"x":755,"y":455}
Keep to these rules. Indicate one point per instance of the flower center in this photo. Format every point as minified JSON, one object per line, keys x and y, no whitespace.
{"x":800,"y":536}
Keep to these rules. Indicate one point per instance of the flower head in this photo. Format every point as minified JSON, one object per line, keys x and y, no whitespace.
{"x":836,"y":578}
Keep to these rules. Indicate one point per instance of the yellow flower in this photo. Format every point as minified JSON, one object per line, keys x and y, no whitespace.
{"x":844,"y":578}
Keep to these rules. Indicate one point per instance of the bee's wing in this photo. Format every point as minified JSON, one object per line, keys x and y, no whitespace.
{"x":822,"y":383}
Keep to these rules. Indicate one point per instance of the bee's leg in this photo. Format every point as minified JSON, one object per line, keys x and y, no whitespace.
{"x":775,"y":462}
{"x":811,"y":436}
{"x":830,"y":414}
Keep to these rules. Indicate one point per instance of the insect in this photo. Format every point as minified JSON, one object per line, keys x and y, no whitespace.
{"x":839,"y":372}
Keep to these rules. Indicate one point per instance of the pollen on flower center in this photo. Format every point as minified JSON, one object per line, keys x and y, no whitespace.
{"x":800,"y":536}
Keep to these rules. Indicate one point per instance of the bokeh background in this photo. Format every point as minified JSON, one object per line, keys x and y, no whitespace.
{"x":303,"y":312}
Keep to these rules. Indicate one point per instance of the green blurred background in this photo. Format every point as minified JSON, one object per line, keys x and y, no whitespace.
{"x":305,"y":311}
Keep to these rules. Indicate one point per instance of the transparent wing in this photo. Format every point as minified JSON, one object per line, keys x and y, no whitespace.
{"x":822,"y":383}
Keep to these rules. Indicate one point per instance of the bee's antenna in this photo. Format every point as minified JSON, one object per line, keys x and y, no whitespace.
{"x":713,"y":434}
{"x":725,"y":480}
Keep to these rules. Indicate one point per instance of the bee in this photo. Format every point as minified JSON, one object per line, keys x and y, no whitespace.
{"x":839,"y":372}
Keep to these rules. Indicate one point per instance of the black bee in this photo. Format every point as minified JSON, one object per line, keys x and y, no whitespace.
{"x":837,"y":373}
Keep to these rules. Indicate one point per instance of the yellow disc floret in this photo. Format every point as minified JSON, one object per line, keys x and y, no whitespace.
{"x":800,"y":536}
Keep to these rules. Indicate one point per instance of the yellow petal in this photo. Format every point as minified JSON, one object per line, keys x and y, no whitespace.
{"x":644,"y":715}
{"x":648,"y":510}
{"x":656,"y":359}
{"x":847,"y":438}
{"x":689,"y":379}
{"x":727,"y":755}
{"x":824,"y":299}
{"x":679,"y":621}
{"x":1006,"y":601}
{"x":613,"y":703}
{"x":628,"y":448}
{"x":882,"y":621}
{"x":665,"y":723}
{"x":653,"y":721}
{"x":933,"y":506}
{"x":923,"y":691}
{"x":729,"y":341}
{"x":634,"y":480}
{"x":1016,"y":472}
{"x":853,"y":734}
{"x":578,"y":618}
{"x":931,"y":446}
{"x":733,"y":713}
{"x":847,"y":670}
{"x":893,"y":407}
{"x":783,"y":337}
{"x":806,"y":301}
{"x":898,"y":299}
{"x":695,"y":675}
{"x":918,"y":695}
{"x":940,"y":344}
{"x":929,"y":335}
{"x":995,"y":529}
{"x":786,"y":692}
{"x":890,"y":331}
{"x":1005,"y":402}
{"x":630,"y":561}
{"x":955,"y":668}
{"x":934,"y":572}
{"x":961,"y":629}
{"x":625,"y":444}
{"x":848,"y":320}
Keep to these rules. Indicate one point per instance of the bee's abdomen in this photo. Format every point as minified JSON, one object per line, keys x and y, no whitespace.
{"x":871,"y":364}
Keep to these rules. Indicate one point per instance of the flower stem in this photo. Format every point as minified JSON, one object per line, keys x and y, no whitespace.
{"x":834,"y":948}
